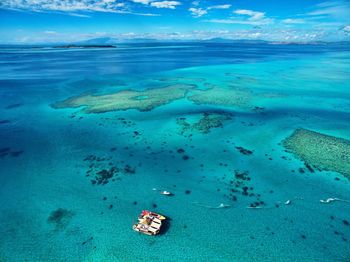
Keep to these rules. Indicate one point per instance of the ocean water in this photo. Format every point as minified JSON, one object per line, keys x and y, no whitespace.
{"x":51,"y":210}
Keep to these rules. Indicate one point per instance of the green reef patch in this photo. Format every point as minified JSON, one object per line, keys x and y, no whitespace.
{"x":319,"y":150}
{"x":149,"y":99}
{"x":204,"y":124}
{"x":126,"y":99}
{"x":223,"y":97}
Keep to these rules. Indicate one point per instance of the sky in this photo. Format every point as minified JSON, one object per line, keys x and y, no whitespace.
{"x":49,"y":21}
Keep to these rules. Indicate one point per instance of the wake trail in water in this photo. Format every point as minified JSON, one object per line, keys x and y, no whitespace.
{"x":222,"y":205}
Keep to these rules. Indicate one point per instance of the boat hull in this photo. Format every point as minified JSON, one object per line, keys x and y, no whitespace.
{"x":149,"y":223}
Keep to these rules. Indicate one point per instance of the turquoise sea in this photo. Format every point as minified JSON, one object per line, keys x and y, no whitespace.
{"x":53,"y":209}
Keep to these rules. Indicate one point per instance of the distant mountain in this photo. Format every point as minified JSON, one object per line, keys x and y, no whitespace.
{"x":140,"y":40}
{"x":113,"y":41}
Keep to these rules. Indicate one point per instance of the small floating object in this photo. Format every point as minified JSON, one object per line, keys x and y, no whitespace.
{"x":149,"y":223}
{"x":166,"y":193}
{"x":254,"y":207}
{"x":329,"y":200}
{"x":222,"y":205}
{"x":288,"y":202}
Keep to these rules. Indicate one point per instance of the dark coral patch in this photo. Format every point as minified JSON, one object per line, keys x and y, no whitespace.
{"x":185,"y":157}
{"x":103,"y":176}
{"x":244,"y":151}
{"x":6,"y":151}
{"x":104,"y":170}
{"x":204,"y":124}
{"x":60,"y":218}
{"x":180,"y":150}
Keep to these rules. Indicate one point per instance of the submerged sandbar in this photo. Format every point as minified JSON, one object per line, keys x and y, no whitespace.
{"x":320,"y":150}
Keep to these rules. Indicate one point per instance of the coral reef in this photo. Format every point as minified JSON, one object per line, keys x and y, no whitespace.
{"x":127,"y":99}
{"x":204,"y":124}
{"x":103,"y":169}
{"x":244,"y":151}
{"x":223,"y":97}
{"x":60,"y":218}
{"x":149,"y":99}
{"x":321,"y":151}
{"x":239,"y":183}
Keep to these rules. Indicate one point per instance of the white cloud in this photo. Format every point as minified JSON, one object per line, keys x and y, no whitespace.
{"x":336,"y":9}
{"x":195,"y":3}
{"x":166,"y":4}
{"x":346,"y":29}
{"x":197,"y":12}
{"x":330,"y":15}
{"x":253,"y":15}
{"x":50,"y":32}
{"x":159,"y":4}
{"x":145,"y":2}
{"x":245,"y":17}
{"x":219,"y":7}
{"x":78,"y":15}
{"x":232,"y":21}
{"x":146,"y":14}
{"x":108,"y":1}
{"x":62,"y":5}
{"x":69,"y":6}
{"x":293,"y":21}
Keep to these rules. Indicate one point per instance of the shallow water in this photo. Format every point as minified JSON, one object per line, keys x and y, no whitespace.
{"x":45,"y":163}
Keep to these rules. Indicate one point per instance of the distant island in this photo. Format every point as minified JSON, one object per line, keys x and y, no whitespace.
{"x":84,"y":46}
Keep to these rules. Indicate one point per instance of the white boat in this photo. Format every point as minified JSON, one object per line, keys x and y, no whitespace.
{"x":167,"y":193}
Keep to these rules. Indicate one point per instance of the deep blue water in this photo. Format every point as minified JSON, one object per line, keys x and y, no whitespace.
{"x":147,"y":58}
